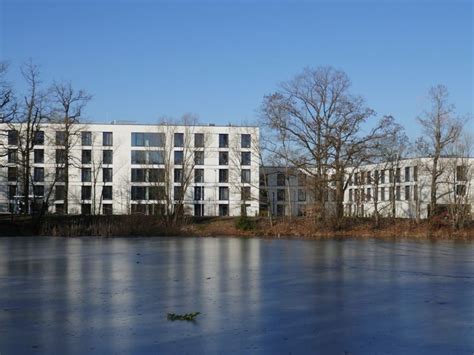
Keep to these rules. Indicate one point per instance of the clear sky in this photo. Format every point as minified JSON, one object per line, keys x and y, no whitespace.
{"x":145,"y":59}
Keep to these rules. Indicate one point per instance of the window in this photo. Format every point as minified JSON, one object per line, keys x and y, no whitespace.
{"x":223,"y":193}
{"x":156,"y":193}
{"x":223,"y":140}
{"x":356,"y":178}
{"x":281,"y":179}
{"x":61,"y":174}
{"x":107,"y":139}
{"x":60,"y":156}
{"x":86,"y":208}
{"x":461,"y":190}
{"x":461,"y":173}
{"x":38,"y":156}
{"x":223,"y":175}
{"x":390,"y":176}
{"x":138,"y":193}
{"x":86,"y":175}
{"x":156,"y":175}
{"x":38,"y":138}
{"x":198,"y":193}
{"x":223,"y":210}
{"x":245,"y":158}
{"x":86,"y":138}
{"x":302,"y":195}
{"x":13,"y":137}
{"x":86,"y":192}
{"x":138,"y":157}
{"x":223,"y":158}
{"x":415,"y":173}
{"x":178,"y":193}
{"x":107,"y":209}
{"x":138,"y":209}
{"x":106,"y":192}
{"x":407,"y":193}
{"x":86,"y":157}
{"x":382,"y":176}
{"x":350,"y":195}
{"x":391,"y":194}
{"x":60,"y":138}
{"x":179,"y":140}
{"x":376,"y":177}
{"x":245,"y":176}
{"x":280,"y":195}
{"x":199,"y":140}
{"x":245,"y":140}
{"x":11,"y":192}
{"x":398,"y":196}
{"x":407,"y":173}
{"x":198,"y":175}
{"x":198,"y":210}
{"x":369,"y":178}
{"x":59,"y":208}
{"x":178,"y":175}
{"x":369,"y":194}
{"x":280,"y":210}
{"x":199,"y":158}
{"x":178,"y":157}
{"x":38,"y":190}
{"x":245,"y":193}
{"x":156,"y":157}
{"x":59,"y":192}
{"x":12,"y":156}
{"x":38,"y":174}
{"x":107,"y":174}
{"x":397,"y":176}
{"x":148,"y":139}
{"x":107,"y":157}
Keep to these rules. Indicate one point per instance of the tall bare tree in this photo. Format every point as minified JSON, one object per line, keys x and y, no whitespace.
{"x":441,"y":128}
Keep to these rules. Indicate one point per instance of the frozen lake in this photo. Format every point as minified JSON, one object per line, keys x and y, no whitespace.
{"x":101,"y":296}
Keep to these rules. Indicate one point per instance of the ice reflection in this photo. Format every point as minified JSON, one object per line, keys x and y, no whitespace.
{"x":255,"y":296}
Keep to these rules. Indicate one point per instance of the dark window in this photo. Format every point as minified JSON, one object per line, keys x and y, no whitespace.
{"x":138,"y":157}
{"x":38,"y":174}
{"x":245,"y":158}
{"x":38,"y":190}
{"x":107,"y":139}
{"x":223,"y":210}
{"x":178,"y":193}
{"x":280,"y":210}
{"x":398,"y":196}
{"x":13,"y":137}
{"x":382,"y":176}
{"x":86,"y":175}
{"x":369,"y":178}
{"x":461,"y":190}
{"x":86,"y":156}
{"x":199,"y":140}
{"x":382,"y":193}
{"x":107,"y":209}
{"x":223,"y":140}
{"x":390,"y":176}
{"x":245,"y":193}
{"x":199,"y":193}
{"x":61,"y":174}
{"x":11,"y":192}
{"x":199,"y":158}
{"x":397,"y":176}
{"x":60,"y":156}
{"x":350,"y":195}
{"x":138,"y":175}
{"x":245,"y":140}
{"x":86,"y":192}
{"x":107,"y":157}
{"x":369,"y":194}
{"x":156,"y":175}
{"x":138,"y":193}
{"x":199,"y":210}
{"x":198,"y":175}
{"x":407,"y":173}
{"x":245,"y":176}
{"x":148,"y":139}
{"x":178,"y":157}
{"x":407,"y":193}
{"x":461,"y":174}
{"x":415,"y":173}
{"x":178,"y":175}
{"x":107,"y":193}
{"x":60,"y":138}
{"x":302,"y":195}
{"x":39,"y":156}
{"x":178,"y":139}
{"x":86,"y":138}
{"x":107,"y":175}
{"x":156,"y":157}
{"x":139,"y":209}
{"x":281,"y":179}
{"x":156,"y":193}
{"x":280,"y":195}
{"x":223,"y":158}
{"x":223,"y":193}
{"x":12,"y":156}
{"x":59,"y":208}
{"x":39,"y":138}
{"x":223,"y":175}
{"x":59,"y":192}
{"x":86,"y":208}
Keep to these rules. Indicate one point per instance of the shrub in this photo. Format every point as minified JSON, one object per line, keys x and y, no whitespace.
{"x":245,"y":224}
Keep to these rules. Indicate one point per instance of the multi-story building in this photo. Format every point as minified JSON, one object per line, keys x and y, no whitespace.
{"x":398,"y":188}
{"x":134,"y":168}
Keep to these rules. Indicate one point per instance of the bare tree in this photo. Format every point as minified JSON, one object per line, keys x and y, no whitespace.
{"x":441,"y":128}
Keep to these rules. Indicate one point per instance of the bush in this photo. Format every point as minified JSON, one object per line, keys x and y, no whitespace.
{"x":245,"y":224}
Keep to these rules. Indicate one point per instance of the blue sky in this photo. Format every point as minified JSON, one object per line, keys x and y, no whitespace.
{"x":146,"y":59}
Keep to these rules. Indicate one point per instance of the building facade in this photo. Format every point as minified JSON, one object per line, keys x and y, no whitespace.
{"x":132,"y":168}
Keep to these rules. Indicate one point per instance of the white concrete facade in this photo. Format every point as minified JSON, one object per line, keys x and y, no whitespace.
{"x":131,"y":168}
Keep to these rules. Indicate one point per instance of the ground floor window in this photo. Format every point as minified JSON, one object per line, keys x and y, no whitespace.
{"x":199,"y":210}
{"x":223,"y":210}
{"x":107,"y":209}
{"x":280,"y":210}
{"x":86,"y":208}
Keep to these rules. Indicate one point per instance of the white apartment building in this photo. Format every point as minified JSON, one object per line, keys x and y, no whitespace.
{"x":136,"y":168}
{"x":401,"y":188}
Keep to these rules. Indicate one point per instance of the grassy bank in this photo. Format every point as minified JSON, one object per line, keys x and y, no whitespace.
{"x":108,"y":226}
